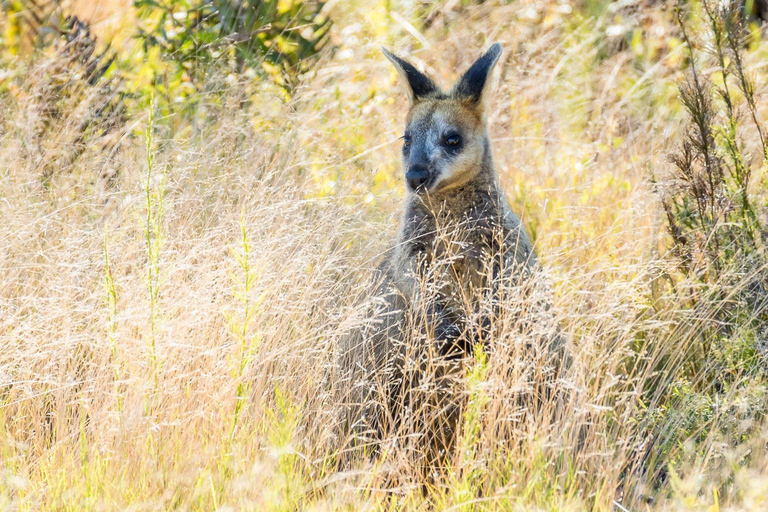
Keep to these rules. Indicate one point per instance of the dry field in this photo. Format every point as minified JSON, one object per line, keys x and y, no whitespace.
{"x":173,"y":286}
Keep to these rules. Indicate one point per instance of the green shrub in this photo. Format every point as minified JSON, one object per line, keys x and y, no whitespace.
{"x":716,"y":301}
{"x":712,"y":209}
{"x":269,"y":37}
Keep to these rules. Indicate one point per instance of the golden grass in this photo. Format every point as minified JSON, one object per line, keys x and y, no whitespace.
{"x":222,"y":402}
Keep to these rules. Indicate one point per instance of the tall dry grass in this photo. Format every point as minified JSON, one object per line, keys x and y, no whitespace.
{"x":168,"y":334}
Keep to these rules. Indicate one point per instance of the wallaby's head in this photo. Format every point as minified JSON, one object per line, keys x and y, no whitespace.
{"x":446,"y":142}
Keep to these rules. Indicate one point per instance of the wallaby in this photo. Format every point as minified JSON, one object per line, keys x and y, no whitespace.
{"x":458,"y":240}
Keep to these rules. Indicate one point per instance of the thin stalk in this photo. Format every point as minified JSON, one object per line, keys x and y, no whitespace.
{"x":242,"y":282}
{"x":111,"y":296}
{"x":153,"y":240}
{"x":241,"y":330}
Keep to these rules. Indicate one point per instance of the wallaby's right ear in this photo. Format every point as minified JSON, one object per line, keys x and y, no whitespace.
{"x":419,"y":84}
{"x":473,"y":83}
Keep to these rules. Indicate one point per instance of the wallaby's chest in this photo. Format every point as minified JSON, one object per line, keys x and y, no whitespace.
{"x":457,"y":246}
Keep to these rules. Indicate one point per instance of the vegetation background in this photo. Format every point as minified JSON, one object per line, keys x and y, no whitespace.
{"x":193,"y":193}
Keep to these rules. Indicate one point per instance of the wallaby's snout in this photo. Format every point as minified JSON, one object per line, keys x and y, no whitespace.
{"x":418,"y":177}
{"x":419,"y":172}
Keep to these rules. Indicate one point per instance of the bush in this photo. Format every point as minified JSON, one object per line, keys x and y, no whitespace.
{"x":259,"y":36}
{"x":713,"y":215}
{"x":716,"y":301}
{"x":70,"y":94}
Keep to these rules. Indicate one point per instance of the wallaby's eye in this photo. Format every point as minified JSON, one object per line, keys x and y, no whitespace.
{"x":406,"y":141}
{"x":453,"y":141}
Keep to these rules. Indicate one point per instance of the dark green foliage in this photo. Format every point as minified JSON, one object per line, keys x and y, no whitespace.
{"x":237,"y":34}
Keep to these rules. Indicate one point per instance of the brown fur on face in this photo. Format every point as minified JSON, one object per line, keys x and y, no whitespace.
{"x":429,"y":121}
{"x":445,"y":144}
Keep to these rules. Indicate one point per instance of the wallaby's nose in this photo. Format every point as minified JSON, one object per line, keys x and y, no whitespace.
{"x":416,"y":177}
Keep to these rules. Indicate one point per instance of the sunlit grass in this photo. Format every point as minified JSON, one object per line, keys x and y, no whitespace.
{"x":170,"y":310}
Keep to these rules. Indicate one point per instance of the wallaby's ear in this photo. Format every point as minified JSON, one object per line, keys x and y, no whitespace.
{"x":472,"y":84}
{"x":419,"y":84}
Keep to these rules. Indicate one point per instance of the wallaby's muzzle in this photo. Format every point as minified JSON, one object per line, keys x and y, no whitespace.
{"x":418,"y":177}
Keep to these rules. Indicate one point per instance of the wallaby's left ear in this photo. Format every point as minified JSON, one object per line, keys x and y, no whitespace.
{"x":472,"y":84}
{"x":419,"y":84}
